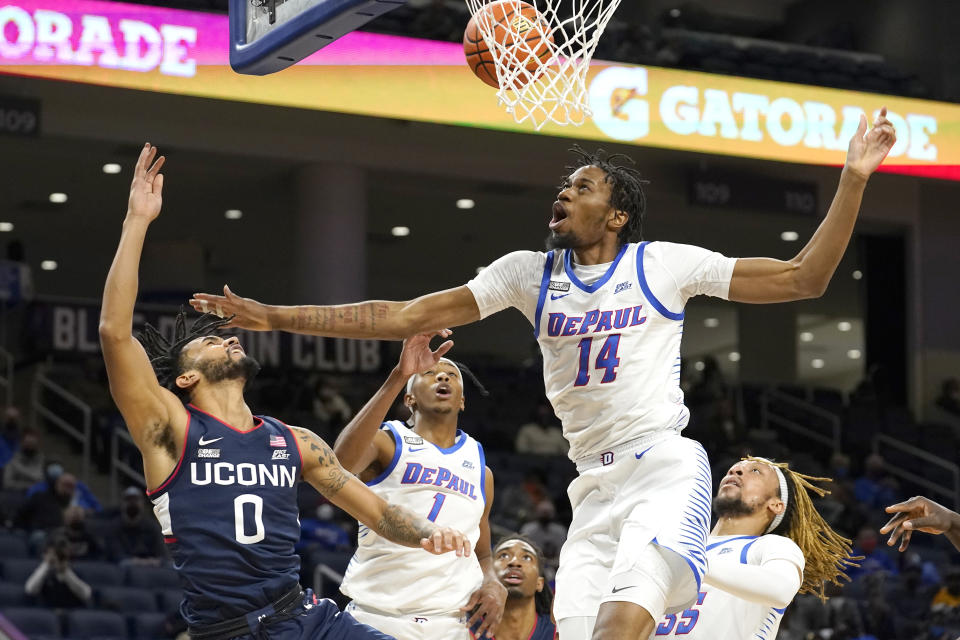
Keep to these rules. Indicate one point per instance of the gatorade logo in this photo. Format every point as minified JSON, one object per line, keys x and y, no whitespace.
{"x":618,"y":105}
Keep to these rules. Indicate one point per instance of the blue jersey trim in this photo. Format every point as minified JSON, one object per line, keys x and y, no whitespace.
{"x":717,"y":544}
{"x":590,"y":288}
{"x":696,"y":574}
{"x":461,"y":439}
{"x":646,"y":288}
{"x":483,"y":473}
{"x":544,"y":282}
{"x":780,"y":611}
{"x":397,"y":450}
{"x":743,"y":552}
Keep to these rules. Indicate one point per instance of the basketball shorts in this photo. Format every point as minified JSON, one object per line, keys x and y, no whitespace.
{"x":641,"y":516}
{"x":320,"y":621}
{"x":436,"y":627}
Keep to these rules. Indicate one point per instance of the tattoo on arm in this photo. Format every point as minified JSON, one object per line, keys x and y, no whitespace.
{"x":403,"y":526}
{"x":331,"y":476}
{"x":322,"y":319}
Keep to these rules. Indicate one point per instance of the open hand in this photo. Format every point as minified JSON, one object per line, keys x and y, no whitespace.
{"x":486,"y":605}
{"x":416,"y":356}
{"x":868,"y":148}
{"x":247,"y":313}
{"x":444,"y":540}
{"x":146,"y":190}
{"x":916,"y":514}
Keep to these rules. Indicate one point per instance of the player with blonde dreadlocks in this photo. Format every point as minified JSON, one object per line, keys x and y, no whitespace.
{"x":769,"y":543}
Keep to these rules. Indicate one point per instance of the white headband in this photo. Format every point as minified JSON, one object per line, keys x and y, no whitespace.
{"x":449,"y":362}
{"x":784,"y":495}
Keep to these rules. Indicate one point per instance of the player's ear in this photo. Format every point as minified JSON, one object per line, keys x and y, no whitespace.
{"x":540,"y":584}
{"x":618,"y":219}
{"x":409,"y":402}
{"x":776,"y":505}
{"x":187,"y":379}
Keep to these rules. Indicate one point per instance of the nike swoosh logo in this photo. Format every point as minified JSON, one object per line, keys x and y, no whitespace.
{"x":638,"y":456}
{"x":205,"y":442}
{"x":617,"y":589}
{"x":412,"y":450}
{"x":554,"y":296}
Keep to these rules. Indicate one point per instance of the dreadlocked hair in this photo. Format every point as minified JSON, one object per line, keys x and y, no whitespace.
{"x":473,"y":378}
{"x":827,"y":554}
{"x":543,"y":599}
{"x":165,"y":354}
{"x":626,"y":187}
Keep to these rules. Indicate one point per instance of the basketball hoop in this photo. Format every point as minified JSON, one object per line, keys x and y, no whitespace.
{"x":549,"y":88}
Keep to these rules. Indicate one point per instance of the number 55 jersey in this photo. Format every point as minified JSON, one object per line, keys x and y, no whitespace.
{"x":446,"y":486}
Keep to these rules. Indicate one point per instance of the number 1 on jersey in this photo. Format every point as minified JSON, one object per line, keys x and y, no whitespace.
{"x":607,"y":360}
{"x":437,"y":503}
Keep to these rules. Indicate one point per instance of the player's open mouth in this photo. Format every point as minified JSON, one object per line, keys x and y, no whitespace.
{"x":559,"y":215}
{"x":513,"y":577}
{"x":444,"y":391}
{"x":730,"y":481}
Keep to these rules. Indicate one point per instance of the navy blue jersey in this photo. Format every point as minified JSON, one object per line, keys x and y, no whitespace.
{"x":543,"y":629}
{"x":229,"y":516}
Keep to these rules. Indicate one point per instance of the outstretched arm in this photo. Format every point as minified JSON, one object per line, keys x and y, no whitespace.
{"x":772,"y":584}
{"x":361,"y":443}
{"x":372,"y":319}
{"x":322,"y":470}
{"x":807,"y":275}
{"x":921,"y":514}
{"x":488,"y":601}
{"x":145,"y":405}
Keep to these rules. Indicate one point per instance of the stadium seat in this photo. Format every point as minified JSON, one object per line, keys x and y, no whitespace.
{"x":86,"y":624}
{"x":99,"y":574}
{"x":152,"y":577}
{"x":33,"y":623}
{"x":127,"y":599}
{"x":18,"y":569}
{"x":169,"y":600}
{"x":13,"y":545}
{"x":13,"y":595}
{"x":148,"y":626}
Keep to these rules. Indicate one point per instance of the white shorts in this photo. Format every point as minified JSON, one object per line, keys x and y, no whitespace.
{"x":641,"y":516}
{"x":439,"y":627}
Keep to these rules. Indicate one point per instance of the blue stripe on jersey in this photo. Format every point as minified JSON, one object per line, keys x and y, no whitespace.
{"x":780,"y":611}
{"x":743,"y":552}
{"x":544,"y":283}
{"x":717,"y":544}
{"x":483,"y":473}
{"x":646,"y":288}
{"x":461,"y":439}
{"x":397,"y":449}
{"x":590,"y":288}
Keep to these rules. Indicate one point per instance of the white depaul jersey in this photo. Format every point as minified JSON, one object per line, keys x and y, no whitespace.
{"x":446,"y":486}
{"x":610,"y":340}
{"x":719,"y":615}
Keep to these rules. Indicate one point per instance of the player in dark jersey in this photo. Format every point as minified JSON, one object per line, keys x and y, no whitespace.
{"x":223,"y":481}
{"x":518,"y":563}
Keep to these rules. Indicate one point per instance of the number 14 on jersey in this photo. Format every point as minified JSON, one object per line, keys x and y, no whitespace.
{"x":606,"y":361}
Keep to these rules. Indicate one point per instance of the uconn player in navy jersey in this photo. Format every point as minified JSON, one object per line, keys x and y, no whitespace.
{"x":607,"y":311}
{"x":431,"y":467}
{"x":518,"y":563}
{"x":222,"y":480}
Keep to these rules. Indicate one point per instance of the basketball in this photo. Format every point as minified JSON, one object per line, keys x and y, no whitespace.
{"x":522,"y":34}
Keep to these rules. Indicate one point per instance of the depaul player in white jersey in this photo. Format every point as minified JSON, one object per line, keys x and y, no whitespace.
{"x":438,"y":471}
{"x":769,"y":543}
{"x":607,"y":311}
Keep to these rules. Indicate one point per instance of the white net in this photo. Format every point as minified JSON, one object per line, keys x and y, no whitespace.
{"x":541,"y":61}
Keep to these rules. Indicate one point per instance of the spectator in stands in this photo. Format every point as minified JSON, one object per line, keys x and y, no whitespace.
{"x":329,"y":407}
{"x":946,"y":603}
{"x":874,"y":490}
{"x":913,"y":598}
{"x":323,"y":531}
{"x":16,"y":280}
{"x":134,"y":537}
{"x":545,"y":531}
{"x":949,"y":398}
{"x":9,"y":435}
{"x":836,"y":619}
{"x":541,"y":436}
{"x":26,"y":466}
{"x":44,"y":509}
{"x":54,"y":582}
{"x":83,"y":544}
{"x":874,"y":559}
{"x":518,"y":503}
{"x":81,"y":494}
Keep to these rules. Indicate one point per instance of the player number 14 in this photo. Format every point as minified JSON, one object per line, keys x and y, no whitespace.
{"x":607,"y":360}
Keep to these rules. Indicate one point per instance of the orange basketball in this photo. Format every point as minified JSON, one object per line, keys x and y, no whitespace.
{"x":524,"y":35}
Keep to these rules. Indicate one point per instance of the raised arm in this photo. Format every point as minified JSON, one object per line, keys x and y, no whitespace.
{"x":372,"y":319}
{"x":323,"y":471}
{"x":145,"y":405}
{"x":362,"y":447}
{"x":487,"y":602}
{"x":921,"y":514}
{"x":807,"y":275}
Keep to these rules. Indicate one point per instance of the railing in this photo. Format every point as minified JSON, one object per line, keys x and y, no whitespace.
{"x":6,"y":377}
{"x":43,"y":385}
{"x":829,"y":432}
{"x":119,"y":466}
{"x":924,"y":457}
